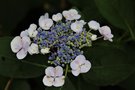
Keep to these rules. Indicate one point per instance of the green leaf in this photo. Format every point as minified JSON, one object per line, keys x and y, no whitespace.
{"x":110,"y":64}
{"x":108,"y":75}
{"x":81,"y":84}
{"x":19,"y":84}
{"x":3,"y":82}
{"x":129,"y":83}
{"x":10,"y":66}
{"x":119,"y":13}
{"x":13,"y":84}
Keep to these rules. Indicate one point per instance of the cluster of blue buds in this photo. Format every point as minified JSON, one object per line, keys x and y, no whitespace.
{"x":62,"y":40}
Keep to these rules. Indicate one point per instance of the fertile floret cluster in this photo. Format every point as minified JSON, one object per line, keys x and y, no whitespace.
{"x":63,"y":40}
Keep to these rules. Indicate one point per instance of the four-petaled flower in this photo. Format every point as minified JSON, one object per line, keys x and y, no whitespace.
{"x":93,"y":37}
{"x":71,"y":14}
{"x":20,"y":46}
{"x":32,"y":32}
{"x":105,"y":31}
{"x":54,"y":76}
{"x":45,"y":50}
{"x":80,"y":65}
{"x":45,"y":22}
{"x":57,"y":17}
{"x":77,"y":26}
{"x":33,"y":49}
{"x":94,"y":25}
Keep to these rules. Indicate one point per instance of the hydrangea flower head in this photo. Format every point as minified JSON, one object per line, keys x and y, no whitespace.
{"x":62,"y":40}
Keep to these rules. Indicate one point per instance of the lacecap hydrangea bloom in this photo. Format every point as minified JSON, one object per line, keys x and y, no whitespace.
{"x":62,"y":38}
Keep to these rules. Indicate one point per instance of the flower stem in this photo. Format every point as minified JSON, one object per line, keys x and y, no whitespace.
{"x":66,"y":70}
{"x":8,"y":84}
{"x":100,"y":37}
{"x":130,"y":30}
{"x":35,"y":64}
{"x":31,"y":63}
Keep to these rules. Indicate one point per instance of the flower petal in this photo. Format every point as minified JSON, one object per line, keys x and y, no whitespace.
{"x":48,"y":81}
{"x":74,"y":64}
{"x":16,"y":44}
{"x":93,"y":37}
{"x":46,"y":15}
{"x":58,"y":71}
{"x":45,"y":22}
{"x":81,"y":59}
{"x":59,"y":81}
{"x":49,"y":71}
{"x":33,"y":49}
{"x":93,"y":25}
{"x":32,"y":30}
{"x":71,"y":14}
{"x":26,"y":42}
{"x":77,"y":26}
{"x":21,"y":54}
{"x":76,"y":72}
{"x":105,"y":31}
{"x":57,"y":17}
{"x":24,"y":33}
{"x":86,"y":67}
{"x":45,"y":50}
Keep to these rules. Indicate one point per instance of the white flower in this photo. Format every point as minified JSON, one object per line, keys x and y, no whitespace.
{"x":57,"y":17}
{"x":45,"y":50}
{"x":105,"y":31}
{"x":71,"y":14}
{"x":77,"y":26}
{"x":32,"y":30}
{"x":80,"y":65}
{"x":83,"y":22}
{"x":24,"y":33}
{"x":20,"y":46}
{"x":54,"y":77}
{"x":94,"y":37}
{"x":45,"y":22}
{"x":33,"y":49}
{"x":93,"y":25}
